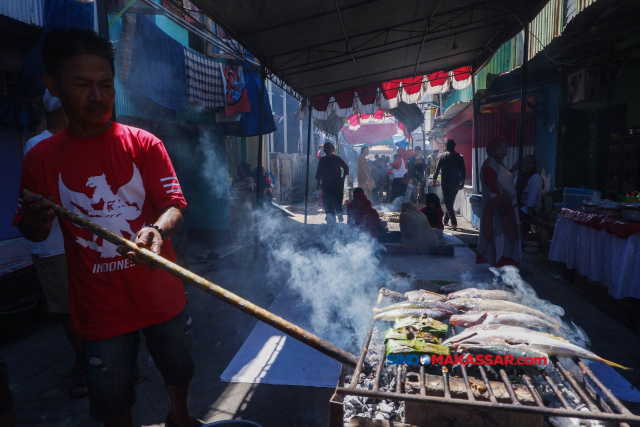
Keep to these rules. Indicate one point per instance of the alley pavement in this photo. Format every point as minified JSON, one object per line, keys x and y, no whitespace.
{"x":40,"y":363}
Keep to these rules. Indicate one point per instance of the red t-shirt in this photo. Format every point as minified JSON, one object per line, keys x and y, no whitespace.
{"x":121,"y":180}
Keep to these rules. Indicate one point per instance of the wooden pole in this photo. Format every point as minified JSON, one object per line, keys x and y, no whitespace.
{"x":210,"y":287}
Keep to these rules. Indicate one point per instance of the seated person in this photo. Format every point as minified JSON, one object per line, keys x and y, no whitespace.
{"x":361,"y":214}
{"x":415,"y":228}
{"x":433,"y":212}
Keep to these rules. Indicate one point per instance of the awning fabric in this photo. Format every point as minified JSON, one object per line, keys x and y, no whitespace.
{"x":369,"y":133}
{"x":320,"y":47}
{"x":354,"y":122}
{"x":388,"y":95}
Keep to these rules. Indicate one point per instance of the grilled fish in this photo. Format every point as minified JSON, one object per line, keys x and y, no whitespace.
{"x":507,"y":328}
{"x":417,"y":304}
{"x":422,"y":295}
{"x":434,"y":313}
{"x":501,"y":318}
{"x":493,"y":294}
{"x":525,"y":341}
{"x":480,"y":304}
{"x":454,"y":287}
{"x":391,"y":294}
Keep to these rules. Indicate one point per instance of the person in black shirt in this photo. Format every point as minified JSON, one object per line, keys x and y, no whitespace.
{"x":454,"y":174}
{"x":417,"y":167}
{"x":332,"y":171}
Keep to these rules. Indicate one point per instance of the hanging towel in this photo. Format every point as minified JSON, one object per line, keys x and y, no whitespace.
{"x":204,"y":81}
{"x":236,"y":98}
{"x":157,"y":67}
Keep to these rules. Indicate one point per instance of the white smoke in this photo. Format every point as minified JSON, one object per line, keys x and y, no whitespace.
{"x":214,"y":166}
{"x":335,"y":269}
{"x":510,"y":277}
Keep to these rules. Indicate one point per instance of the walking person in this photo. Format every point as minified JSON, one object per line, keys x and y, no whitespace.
{"x":451,"y":165}
{"x":432,"y":161}
{"x":332,"y":171}
{"x":365,"y":180}
{"x":417,"y":167}
{"x":499,"y":239}
{"x":121,"y":178}
{"x":398,"y":172}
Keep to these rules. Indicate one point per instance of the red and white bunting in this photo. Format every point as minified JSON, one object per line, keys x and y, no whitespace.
{"x":387,"y":95}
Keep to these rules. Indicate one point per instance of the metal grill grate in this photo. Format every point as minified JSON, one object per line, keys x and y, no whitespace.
{"x":599,"y":409}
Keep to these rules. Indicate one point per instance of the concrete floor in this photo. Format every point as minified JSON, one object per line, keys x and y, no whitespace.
{"x":39,"y":363}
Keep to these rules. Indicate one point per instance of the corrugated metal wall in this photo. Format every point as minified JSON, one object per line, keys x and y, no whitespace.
{"x":200,"y":163}
{"x":505,"y":125}
{"x":505,"y":59}
{"x":27,"y":11}
{"x":573,"y":7}
{"x":546,"y":26}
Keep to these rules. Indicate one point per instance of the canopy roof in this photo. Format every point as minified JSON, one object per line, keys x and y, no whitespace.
{"x":320,"y":47}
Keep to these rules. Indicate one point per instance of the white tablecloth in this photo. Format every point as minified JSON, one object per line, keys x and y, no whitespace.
{"x":600,"y":256}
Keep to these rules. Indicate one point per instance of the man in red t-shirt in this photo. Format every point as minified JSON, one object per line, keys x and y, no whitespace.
{"x":121,"y":178}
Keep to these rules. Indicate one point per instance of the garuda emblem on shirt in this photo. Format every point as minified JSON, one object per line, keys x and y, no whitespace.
{"x":112,"y":211}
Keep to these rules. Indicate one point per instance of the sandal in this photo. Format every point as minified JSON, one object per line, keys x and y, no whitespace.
{"x":79,"y":391}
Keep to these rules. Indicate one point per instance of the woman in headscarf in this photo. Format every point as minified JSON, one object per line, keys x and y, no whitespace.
{"x":499,"y":240}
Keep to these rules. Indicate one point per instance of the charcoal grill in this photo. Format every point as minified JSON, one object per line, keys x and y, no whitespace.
{"x":518,"y":403}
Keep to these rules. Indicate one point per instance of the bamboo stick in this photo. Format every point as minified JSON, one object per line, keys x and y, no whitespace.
{"x":210,"y":288}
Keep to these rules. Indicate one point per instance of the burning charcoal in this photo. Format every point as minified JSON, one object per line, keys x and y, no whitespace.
{"x":382,"y":416}
{"x":386,"y":407}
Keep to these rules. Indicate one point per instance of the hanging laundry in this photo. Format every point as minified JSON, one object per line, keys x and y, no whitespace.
{"x":251,"y":120}
{"x":236,"y":98}
{"x":157,"y":67}
{"x":204,"y":81}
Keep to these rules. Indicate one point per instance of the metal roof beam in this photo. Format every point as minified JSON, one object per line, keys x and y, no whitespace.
{"x":387,"y":70}
{"x":377,"y":52}
{"x":424,"y":36}
{"x":387,"y":29}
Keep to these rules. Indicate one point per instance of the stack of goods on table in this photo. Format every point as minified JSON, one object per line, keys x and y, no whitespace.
{"x":476,"y":346}
{"x":629,"y":210}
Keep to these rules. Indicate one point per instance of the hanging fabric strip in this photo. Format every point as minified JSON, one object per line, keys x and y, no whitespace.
{"x":366,"y":99}
{"x":461,"y":78}
{"x":438,"y":82}
{"x":413,"y":88}
{"x":390,"y":89}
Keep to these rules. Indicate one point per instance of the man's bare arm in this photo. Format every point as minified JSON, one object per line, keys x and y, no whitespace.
{"x":150,"y":238}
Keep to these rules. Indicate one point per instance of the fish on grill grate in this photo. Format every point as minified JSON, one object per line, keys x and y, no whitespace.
{"x":530,"y":340}
{"x":501,"y":318}
{"x":493,"y":294}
